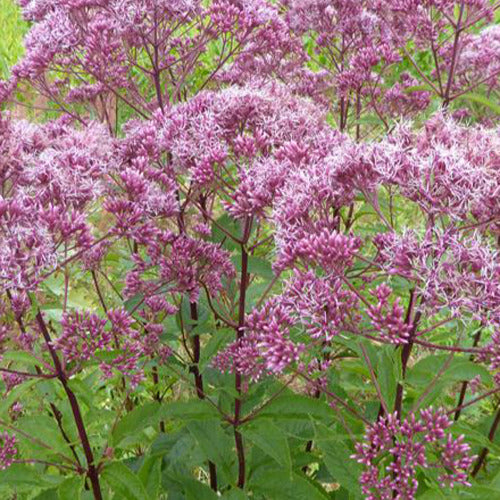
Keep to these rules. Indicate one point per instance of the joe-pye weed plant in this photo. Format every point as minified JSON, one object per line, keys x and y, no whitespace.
{"x":232,"y":266}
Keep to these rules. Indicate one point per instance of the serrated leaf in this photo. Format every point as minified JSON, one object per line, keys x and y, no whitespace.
{"x":337,"y":458}
{"x":216,"y":445}
{"x":123,"y":482}
{"x":270,"y":439}
{"x":189,"y":410}
{"x":132,"y":304}
{"x":296,"y":406}
{"x":276,"y":484}
{"x":150,"y":475}
{"x":128,"y":430}
{"x":20,"y":357}
{"x":71,"y":488}
{"x":256,"y":265}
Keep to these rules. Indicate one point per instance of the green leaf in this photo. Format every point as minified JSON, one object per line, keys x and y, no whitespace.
{"x":459,"y":369}
{"x":235,"y":494}
{"x":337,"y":458}
{"x":71,"y":488}
{"x":21,"y":475}
{"x":230,"y":226}
{"x":277,"y":484}
{"x":22,"y":357}
{"x":124,"y":483}
{"x":128,"y":430}
{"x":481,"y":99}
{"x":189,"y":410}
{"x":150,"y":475}
{"x":17,"y":393}
{"x":215,"y":444}
{"x":270,"y":439}
{"x":132,"y":304}
{"x":256,"y":265}
{"x":296,"y":406}
{"x":194,"y":490}
{"x":46,"y":430}
{"x":220,"y":337}
{"x":388,"y":373}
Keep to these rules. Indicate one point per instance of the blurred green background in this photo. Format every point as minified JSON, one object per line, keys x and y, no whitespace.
{"x":12,"y":30}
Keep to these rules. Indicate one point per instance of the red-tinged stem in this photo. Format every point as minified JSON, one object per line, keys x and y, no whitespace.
{"x":454,"y":57}
{"x":406,"y":351}
{"x":198,"y":381}
{"x":484,"y":451}
{"x":465,"y":383}
{"x":238,"y":439}
{"x":92,"y":471}
{"x":474,"y":401}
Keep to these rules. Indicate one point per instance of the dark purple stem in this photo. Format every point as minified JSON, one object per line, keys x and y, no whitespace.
{"x":92,"y":471}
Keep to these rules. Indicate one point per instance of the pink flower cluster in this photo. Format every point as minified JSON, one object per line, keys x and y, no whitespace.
{"x":121,"y":347}
{"x":388,"y":320}
{"x":266,"y":347}
{"x":49,"y":176}
{"x":393,"y":450}
{"x":101,"y":42}
{"x":8,"y":450}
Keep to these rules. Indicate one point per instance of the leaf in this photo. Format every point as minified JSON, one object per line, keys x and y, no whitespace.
{"x":124,"y":483}
{"x":388,"y":373}
{"x":189,"y":410}
{"x":150,"y":475}
{"x":20,"y":357}
{"x":71,"y":489}
{"x":337,"y":458}
{"x":226,"y":224}
{"x":21,"y":475}
{"x":132,"y":304}
{"x":418,"y":88}
{"x":194,"y":490}
{"x":459,"y":369}
{"x":256,"y":265}
{"x":235,"y":494}
{"x":16,"y":393}
{"x":481,"y":99}
{"x":46,"y":430}
{"x":296,"y":406}
{"x":277,"y":484}
{"x":270,"y":439}
{"x":128,"y":430}
{"x":215,"y":444}
{"x":220,"y":337}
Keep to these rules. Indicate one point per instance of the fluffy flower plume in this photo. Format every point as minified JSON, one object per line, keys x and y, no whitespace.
{"x":102,"y":42}
{"x":49,"y":176}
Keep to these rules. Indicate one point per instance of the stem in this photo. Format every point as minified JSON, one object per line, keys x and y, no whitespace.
{"x":458,"y":30}
{"x":157,"y":395}
{"x":58,"y":416}
{"x":484,"y":451}
{"x":405,"y":353}
{"x":92,"y":472}
{"x":465,"y":383}
{"x":309,"y":444}
{"x":240,"y":450}
{"x":198,"y":380}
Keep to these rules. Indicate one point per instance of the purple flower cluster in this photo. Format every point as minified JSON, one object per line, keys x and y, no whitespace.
{"x":8,"y":450}
{"x":121,"y":347}
{"x":393,"y":450}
